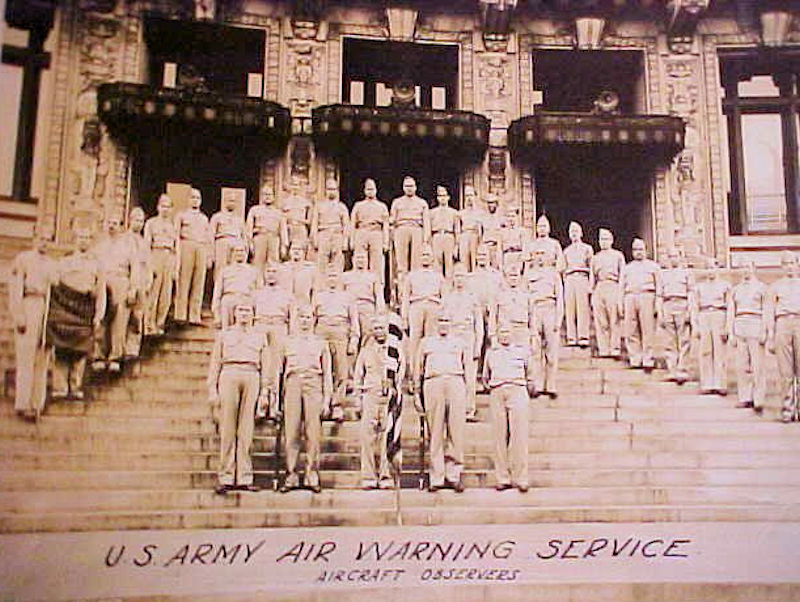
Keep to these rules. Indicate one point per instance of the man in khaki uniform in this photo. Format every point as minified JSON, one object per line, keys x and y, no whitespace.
{"x":330,"y":228}
{"x":237,"y":381}
{"x":492,"y":230}
{"x":641,"y":285}
{"x":298,"y":276}
{"x":297,"y":210}
{"x":141,"y":255}
{"x":553,"y":254}
{"x":677,"y":287}
{"x":607,"y":267}
{"x":81,"y":272}
{"x":513,"y":306}
{"x":547,"y":296}
{"x":236,"y":282}
{"x":273,"y":315}
{"x":227,"y":229}
{"x":266,"y":230}
{"x":485,"y":282}
{"x":337,"y":323}
{"x":440,"y":366}
{"x":32,"y":272}
{"x":471,"y":219}
{"x":120,"y":270}
{"x":370,"y":229}
{"x":747,"y":315}
{"x":421,"y":299}
{"x":508,"y":373}
{"x":783,"y":332}
{"x":709,"y":323}
{"x":466,"y":317}
{"x":577,"y":286}
{"x":514,"y":239}
{"x":410,"y":220}
{"x":304,"y":365}
{"x":371,"y":382}
{"x":365,"y":290}
{"x":194,"y":254}
{"x":445,"y":228}
{"x":160,"y":238}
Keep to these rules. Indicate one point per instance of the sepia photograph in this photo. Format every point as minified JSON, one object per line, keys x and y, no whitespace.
{"x":389,"y":300}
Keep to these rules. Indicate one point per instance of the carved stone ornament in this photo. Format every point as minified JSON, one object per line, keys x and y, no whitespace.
{"x":497,"y":170}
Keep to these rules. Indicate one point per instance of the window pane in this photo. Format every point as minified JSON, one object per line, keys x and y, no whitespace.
{"x":11,"y":86}
{"x":759,"y":85}
{"x":763,"y":172}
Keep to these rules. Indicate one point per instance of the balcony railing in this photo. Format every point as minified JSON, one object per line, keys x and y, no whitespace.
{"x":138,"y":109}
{"x":655,"y":137}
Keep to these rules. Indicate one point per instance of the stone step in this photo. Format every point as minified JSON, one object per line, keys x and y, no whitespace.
{"x":56,"y":426}
{"x":382,"y":512}
{"x":133,"y":407}
{"x":480,"y":475}
{"x":136,"y":499}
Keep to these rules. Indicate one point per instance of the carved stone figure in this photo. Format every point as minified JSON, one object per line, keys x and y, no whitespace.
{"x":492,"y":228}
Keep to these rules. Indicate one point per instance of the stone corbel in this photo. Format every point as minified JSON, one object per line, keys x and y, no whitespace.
{"x":589,"y":32}
{"x":684,"y":15}
{"x":776,"y":23}
{"x":401,"y":23}
{"x":496,"y":16}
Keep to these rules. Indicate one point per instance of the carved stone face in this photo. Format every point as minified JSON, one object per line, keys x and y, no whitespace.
{"x":370,"y":189}
{"x":409,"y":187}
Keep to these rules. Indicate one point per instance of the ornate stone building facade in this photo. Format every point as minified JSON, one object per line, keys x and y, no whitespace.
{"x":675,"y":120}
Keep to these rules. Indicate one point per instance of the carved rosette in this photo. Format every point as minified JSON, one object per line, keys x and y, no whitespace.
{"x":689,"y":187}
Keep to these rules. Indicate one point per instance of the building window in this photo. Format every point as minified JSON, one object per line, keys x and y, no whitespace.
{"x":762,"y":105}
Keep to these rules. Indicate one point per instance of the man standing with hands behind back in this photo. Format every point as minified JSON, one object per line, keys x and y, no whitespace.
{"x":194,"y":259}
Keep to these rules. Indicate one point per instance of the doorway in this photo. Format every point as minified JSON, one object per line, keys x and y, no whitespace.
{"x":597,"y":190}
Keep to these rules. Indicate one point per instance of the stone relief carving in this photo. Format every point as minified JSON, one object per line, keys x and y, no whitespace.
{"x":688,"y":190}
{"x":304,"y":77}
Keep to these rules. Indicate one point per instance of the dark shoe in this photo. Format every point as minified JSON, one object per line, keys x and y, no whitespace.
{"x":648,"y":369}
{"x":458,"y":486}
{"x":285,"y":488}
{"x":722,"y":392}
{"x":745,"y":404}
{"x":472,"y":417}
{"x":434,"y":488}
{"x":503,"y":486}
{"x":523,"y":488}
{"x":759,"y":410}
{"x":551,"y":394}
{"x":251,"y":487}
{"x":315,"y":488}
{"x":223,"y":489}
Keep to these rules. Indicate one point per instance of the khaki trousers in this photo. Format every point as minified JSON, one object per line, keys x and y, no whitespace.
{"x":510,"y":416}
{"x":421,"y":321}
{"x":787,"y":351}
{"x":546,"y":342}
{"x":266,"y":249}
{"x":31,"y":357}
{"x":374,"y":407}
{"x":751,"y":380}
{"x":275,"y":334}
{"x":330,"y":249}
{"x":470,"y":369}
{"x":679,"y":335}
{"x":337,"y":334}
{"x":372,"y":241}
{"x":605,"y":301}
{"x":407,"y":248}
{"x":445,"y":410}
{"x":162,"y":264}
{"x":135,"y":330}
{"x":444,"y":246}
{"x":222,"y":253}
{"x":68,"y":371}
{"x":640,"y":329}
{"x":191,"y":281}
{"x":468,"y":248}
{"x":576,"y":292}
{"x":302,"y":407}
{"x":713,"y":361}
{"x":110,"y":340}
{"x":298,"y":233}
{"x":238,"y":393}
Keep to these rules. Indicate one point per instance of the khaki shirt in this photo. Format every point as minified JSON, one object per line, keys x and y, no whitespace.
{"x":299,"y":278}
{"x":116,"y":257}
{"x":160,"y":233}
{"x":712,"y":294}
{"x":192,"y":226}
{"x":472,"y":219}
{"x":424,"y":284}
{"x":749,"y":298}
{"x":305,"y":355}
{"x":785,"y":297}
{"x":676,"y":283}
{"x":330,"y":215}
{"x":443,"y":220}
{"x":578,"y":258}
{"x":273,"y":304}
{"x":554,"y":256}
{"x":641,"y":276}
{"x":369,"y":214}
{"x":240,"y":348}
{"x":514,"y":306}
{"x":442,"y":356}
{"x":607,"y":265}
{"x":485,"y":283}
{"x":235,"y":278}
{"x":372,"y":367}
{"x":492,"y":228}
{"x":409,"y":211}
{"x":362,"y":286}
{"x":33,"y":273}
{"x":264,"y":219}
{"x":336,"y":307}
{"x":225,"y":224}
{"x":297,"y":210}
{"x":544,"y":285}
{"x":514,"y":239}
{"x":508,"y":365}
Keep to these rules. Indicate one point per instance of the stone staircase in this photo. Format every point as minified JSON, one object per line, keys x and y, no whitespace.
{"x":616,"y":446}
